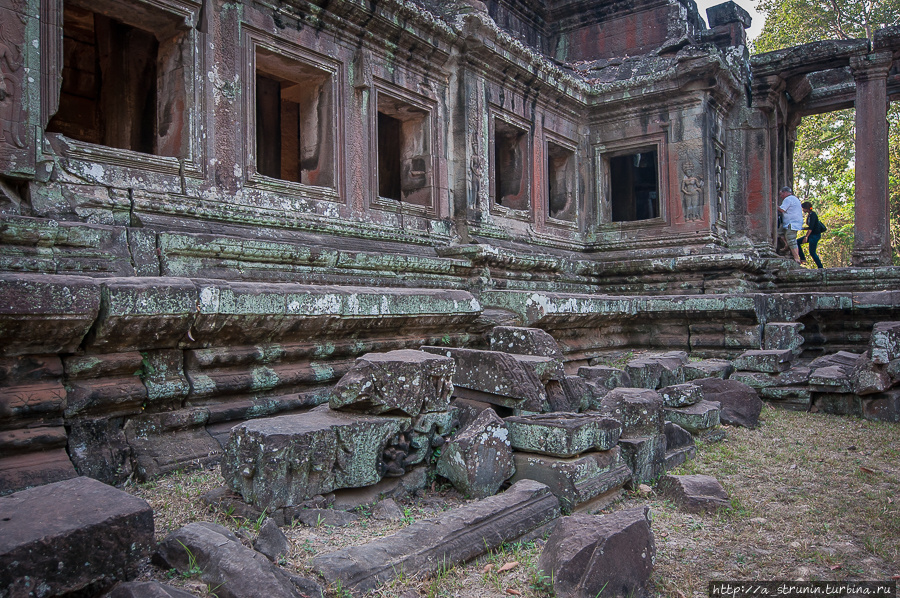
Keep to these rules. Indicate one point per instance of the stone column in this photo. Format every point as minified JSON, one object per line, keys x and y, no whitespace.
{"x":872,"y":242}
{"x":762,"y":161}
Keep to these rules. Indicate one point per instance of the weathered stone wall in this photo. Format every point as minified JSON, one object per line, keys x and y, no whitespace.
{"x":152,"y":297}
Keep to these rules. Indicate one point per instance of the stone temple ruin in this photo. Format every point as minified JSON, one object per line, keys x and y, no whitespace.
{"x":400,"y":236}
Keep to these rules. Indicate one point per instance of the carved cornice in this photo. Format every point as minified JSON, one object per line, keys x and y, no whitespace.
{"x":868,"y":67}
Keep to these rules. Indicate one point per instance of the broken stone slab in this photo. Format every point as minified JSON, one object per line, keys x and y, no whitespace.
{"x":282,"y":461}
{"x":843,"y":359}
{"x":403,"y":382}
{"x":563,"y":434}
{"x":224,"y":563}
{"x":779,"y":336}
{"x":639,"y":410}
{"x":883,"y":407}
{"x":770,"y":362}
{"x":739,"y":404}
{"x":524,"y":341}
{"x":479,"y":458}
{"x":453,"y":537}
{"x":869,"y":377}
{"x":602,"y":378}
{"x":796,"y":376}
{"x":645,"y":456}
{"x":656,"y":371}
{"x":680,"y":395}
{"x":271,"y":541}
{"x":574,"y":480}
{"x":884,"y":344}
{"x":146,"y":589}
{"x":695,"y":418}
{"x":695,"y":493}
{"x":831,"y":379}
{"x":708,"y":368}
{"x":590,"y":555}
{"x":50,"y":538}
{"x":512,"y":381}
{"x":680,"y":446}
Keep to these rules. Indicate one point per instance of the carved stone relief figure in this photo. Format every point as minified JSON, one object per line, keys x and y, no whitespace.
{"x":691,"y":193}
{"x":12,"y":111}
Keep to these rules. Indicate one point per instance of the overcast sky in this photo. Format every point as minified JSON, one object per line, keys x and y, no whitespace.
{"x":748,"y":5}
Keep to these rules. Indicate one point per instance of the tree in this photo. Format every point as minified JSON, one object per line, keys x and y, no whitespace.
{"x":825,"y":149}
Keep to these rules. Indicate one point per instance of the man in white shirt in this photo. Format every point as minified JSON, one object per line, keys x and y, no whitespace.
{"x":792,"y":217}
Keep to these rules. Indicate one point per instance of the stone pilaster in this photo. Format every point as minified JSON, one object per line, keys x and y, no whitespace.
{"x":872,"y":242}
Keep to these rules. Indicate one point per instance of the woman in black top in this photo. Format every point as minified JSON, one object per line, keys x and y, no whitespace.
{"x":814,"y":230}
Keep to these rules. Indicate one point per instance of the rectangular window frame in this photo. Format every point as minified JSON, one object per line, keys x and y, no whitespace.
{"x":384,"y":91}
{"x":602,"y":155}
{"x":180,"y":15}
{"x":571,"y":146}
{"x":254,"y":40}
{"x":495,"y":113}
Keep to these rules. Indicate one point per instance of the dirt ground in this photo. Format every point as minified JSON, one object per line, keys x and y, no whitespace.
{"x":813,"y":497}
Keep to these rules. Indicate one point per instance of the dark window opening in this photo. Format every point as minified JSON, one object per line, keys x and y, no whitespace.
{"x":109,"y":84}
{"x":634,"y":187}
{"x":561,"y":183}
{"x":388,"y":157}
{"x":511,"y":166}
{"x":404,"y":155}
{"x":294,"y":137}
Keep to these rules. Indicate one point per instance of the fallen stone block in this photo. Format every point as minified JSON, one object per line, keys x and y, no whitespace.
{"x":524,"y":341}
{"x":883,"y":407}
{"x":282,"y":461}
{"x":841,"y":358}
{"x":680,"y":395}
{"x":884,"y":344}
{"x":708,"y":368}
{"x":695,"y":418}
{"x":511,"y":381}
{"x":770,"y":362}
{"x":639,"y":410}
{"x":479,"y":458}
{"x":695,"y":493}
{"x":607,"y":555}
{"x":645,"y":456}
{"x":271,"y":541}
{"x":602,"y":378}
{"x":739,"y":404}
{"x":831,"y":379}
{"x":146,"y":589}
{"x":779,"y":336}
{"x":453,"y":537}
{"x":563,"y":434}
{"x":680,"y":446}
{"x":656,"y":371}
{"x":77,"y":535}
{"x":403,"y":382}
{"x":869,"y":377}
{"x":836,"y":404}
{"x":574,"y":480}
{"x":796,"y":376}
{"x":220,"y":560}
{"x":579,"y":394}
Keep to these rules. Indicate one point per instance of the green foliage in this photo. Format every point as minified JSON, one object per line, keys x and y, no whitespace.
{"x":825,"y":150}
